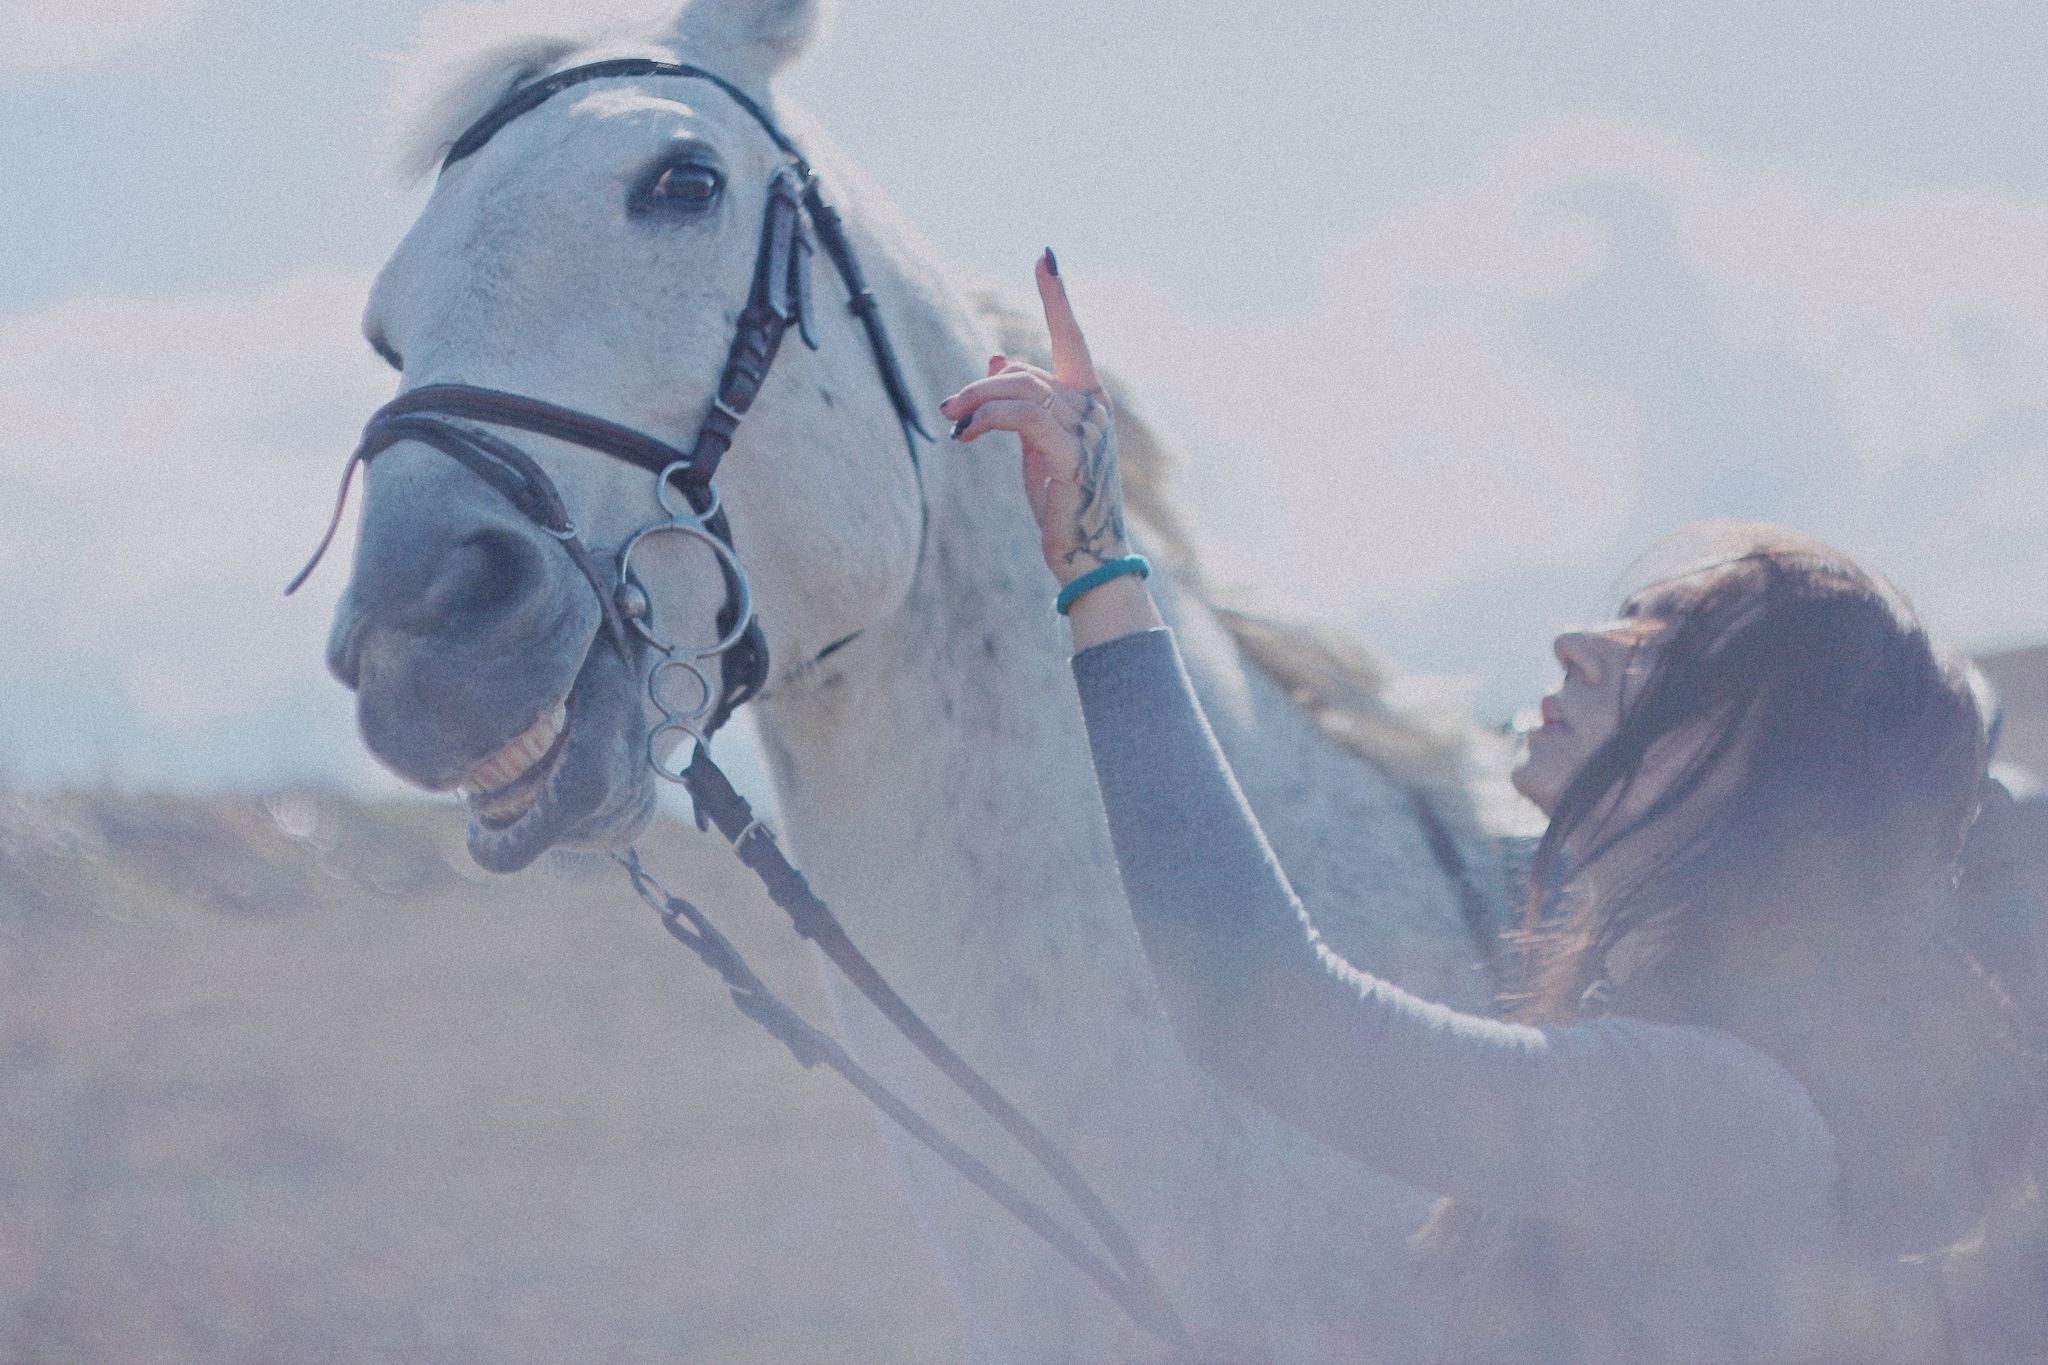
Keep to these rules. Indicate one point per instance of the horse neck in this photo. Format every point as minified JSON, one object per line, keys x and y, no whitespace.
{"x":934,"y":774}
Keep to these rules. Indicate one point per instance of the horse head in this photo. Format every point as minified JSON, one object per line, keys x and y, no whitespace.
{"x":595,"y":252}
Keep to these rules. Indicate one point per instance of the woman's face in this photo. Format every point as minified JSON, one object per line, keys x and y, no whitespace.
{"x":1604,"y":667}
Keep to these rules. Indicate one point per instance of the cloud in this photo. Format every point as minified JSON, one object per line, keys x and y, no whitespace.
{"x":1511,"y":385}
{"x":165,"y":465}
{"x":1506,"y":389}
{"x":38,"y":37}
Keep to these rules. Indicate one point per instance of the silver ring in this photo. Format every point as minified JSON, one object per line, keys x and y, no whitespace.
{"x":689,"y":732}
{"x":695,"y":531}
{"x":1050,"y":398}
{"x":668,"y":668}
{"x":687,"y":513}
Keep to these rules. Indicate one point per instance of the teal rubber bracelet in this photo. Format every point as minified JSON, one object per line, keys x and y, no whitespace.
{"x":1095,"y":578}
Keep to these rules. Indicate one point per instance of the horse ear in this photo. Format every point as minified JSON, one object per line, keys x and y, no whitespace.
{"x":752,"y":39}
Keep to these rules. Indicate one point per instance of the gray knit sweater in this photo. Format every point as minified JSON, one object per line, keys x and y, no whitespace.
{"x":1670,"y":1185}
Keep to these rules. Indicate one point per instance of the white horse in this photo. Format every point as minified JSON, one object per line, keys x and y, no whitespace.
{"x":923,"y":734}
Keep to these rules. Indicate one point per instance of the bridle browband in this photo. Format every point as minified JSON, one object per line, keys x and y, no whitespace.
{"x":441,"y":416}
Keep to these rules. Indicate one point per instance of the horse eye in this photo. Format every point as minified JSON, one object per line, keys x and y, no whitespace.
{"x":688,"y":186}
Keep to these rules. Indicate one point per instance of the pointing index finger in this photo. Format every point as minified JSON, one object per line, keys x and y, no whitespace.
{"x":1070,"y":362}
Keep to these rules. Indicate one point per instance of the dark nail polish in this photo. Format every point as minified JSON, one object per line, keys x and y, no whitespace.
{"x":962,"y":425}
{"x":1052,"y":262}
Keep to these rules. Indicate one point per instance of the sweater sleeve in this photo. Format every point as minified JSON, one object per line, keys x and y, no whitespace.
{"x":1615,"y":1122}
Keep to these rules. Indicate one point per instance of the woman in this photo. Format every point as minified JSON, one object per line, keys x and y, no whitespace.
{"x":1746,"y":1076}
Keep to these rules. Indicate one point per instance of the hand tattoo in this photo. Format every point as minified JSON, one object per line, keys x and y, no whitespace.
{"x":1099,"y":520}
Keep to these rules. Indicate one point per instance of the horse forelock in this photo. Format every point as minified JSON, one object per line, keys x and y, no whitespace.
{"x":468,"y":56}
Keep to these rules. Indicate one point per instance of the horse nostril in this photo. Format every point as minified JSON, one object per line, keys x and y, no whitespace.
{"x":483,"y":577}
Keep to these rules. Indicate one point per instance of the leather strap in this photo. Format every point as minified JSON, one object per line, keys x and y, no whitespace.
{"x":528,"y":98}
{"x":771,"y":308}
{"x":718,"y":801}
{"x":861,"y":303}
{"x":542,"y":419}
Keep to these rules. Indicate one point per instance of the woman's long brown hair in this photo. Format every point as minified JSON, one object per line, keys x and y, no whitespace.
{"x":1834,"y":750}
{"x":1785,"y":885}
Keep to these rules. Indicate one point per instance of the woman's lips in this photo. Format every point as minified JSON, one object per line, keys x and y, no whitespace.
{"x":1553,"y":714}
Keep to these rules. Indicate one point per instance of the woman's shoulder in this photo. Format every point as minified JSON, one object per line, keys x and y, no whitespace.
{"x":1908,"y":1053}
{"x":1685,"y":1125}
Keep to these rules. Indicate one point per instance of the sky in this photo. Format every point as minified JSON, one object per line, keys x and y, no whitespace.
{"x":1454,"y":308}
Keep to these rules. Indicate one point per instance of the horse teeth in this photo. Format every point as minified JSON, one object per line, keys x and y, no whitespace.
{"x":517,"y":757}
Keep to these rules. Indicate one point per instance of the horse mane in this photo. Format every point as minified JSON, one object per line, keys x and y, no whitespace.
{"x":1332,"y":676}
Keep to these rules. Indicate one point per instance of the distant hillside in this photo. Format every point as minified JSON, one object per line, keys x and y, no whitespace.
{"x":2021,"y":677}
{"x":290,"y":1082}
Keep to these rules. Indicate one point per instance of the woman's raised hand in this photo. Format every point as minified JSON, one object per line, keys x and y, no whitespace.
{"x":1064,"y":420}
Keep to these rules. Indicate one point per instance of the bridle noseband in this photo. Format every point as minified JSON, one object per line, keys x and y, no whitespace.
{"x":779,"y":299}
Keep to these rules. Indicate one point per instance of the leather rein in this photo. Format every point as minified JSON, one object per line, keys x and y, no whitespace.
{"x":443,"y":416}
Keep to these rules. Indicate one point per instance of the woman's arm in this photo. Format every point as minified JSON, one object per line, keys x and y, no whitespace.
{"x":1617,"y":1123}
{"x":1070,"y":469}
{"x":1614,"y":1123}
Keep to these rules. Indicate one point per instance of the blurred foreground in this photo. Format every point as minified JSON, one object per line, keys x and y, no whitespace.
{"x":292,"y":1081}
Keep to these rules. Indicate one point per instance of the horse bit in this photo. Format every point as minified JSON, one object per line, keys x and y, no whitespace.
{"x":780,"y":298}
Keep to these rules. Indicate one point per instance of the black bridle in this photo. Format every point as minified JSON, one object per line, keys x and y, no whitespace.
{"x":780,"y":298}
{"x":443,"y":416}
